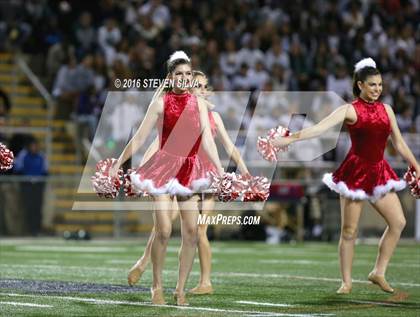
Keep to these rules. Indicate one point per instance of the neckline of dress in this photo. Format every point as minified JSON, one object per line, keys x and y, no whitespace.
{"x":370,"y":104}
{"x":179,"y":95}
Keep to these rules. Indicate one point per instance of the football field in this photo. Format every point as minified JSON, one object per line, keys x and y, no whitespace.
{"x":53,"y":277}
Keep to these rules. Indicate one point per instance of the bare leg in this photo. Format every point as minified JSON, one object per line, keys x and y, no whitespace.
{"x":390,"y":209}
{"x":189,"y":217}
{"x":350,"y":214}
{"x":163,"y":227}
{"x":204,"y":252}
{"x":138,"y":269}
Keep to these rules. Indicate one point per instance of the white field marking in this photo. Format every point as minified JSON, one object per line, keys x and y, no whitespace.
{"x":140,"y":242}
{"x":304,"y":262}
{"x":60,"y":268}
{"x":173,"y":249}
{"x":58,"y":255}
{"x":120,"y":262}
{"x":263,"y":304}
{"x":115,"y":302}
{"x":61,"y":241}
{"x":175,"y":259}
{"x":266,"y":261}
{"x":312,"y":262}
{"x":89,"y":249}
{"x":43,"y":261}
{"x":299,"y":277}
{"x":375,"y":303}
{"x":170,"y":249}
{"x":25,"y":304}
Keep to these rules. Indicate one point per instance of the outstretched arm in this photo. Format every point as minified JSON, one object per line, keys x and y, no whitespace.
{"x":228,"y":144}
{"x":343,"y":113}
{"x":142,"y":133}
{"x":208,"y":141}
{"x":399,"y":143}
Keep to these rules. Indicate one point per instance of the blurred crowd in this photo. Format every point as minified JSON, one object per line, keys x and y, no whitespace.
{"x":241,"y":45}
{"x":81,"y":47}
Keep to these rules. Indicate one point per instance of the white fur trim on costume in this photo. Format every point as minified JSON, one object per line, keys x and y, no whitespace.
{"x":366,"y":62}
{"x":200,"y":184}
{"x":178,"y":55}
{"x":360,"y":194}
{"x":172,"y":187}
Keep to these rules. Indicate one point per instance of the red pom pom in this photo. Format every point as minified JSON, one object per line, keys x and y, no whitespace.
{"x":413,"y":182}
{"x":129,"y":189}
{"x":258,"y":189}
{"x":104,"y":185}
{"x":6,"y":158}
{"x":266,"y":149}
{"x":128,"y":186}
{"x":230,"y":186}
{"x":226,"y":186}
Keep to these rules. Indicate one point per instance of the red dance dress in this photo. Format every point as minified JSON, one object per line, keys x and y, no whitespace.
{"x":176,"y":168}
{"x":201,"y":153}
{"x":364,"y":173}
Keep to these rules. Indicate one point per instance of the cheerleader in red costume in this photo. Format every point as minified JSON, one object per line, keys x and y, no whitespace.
{"x":204,"y":250}
{"x":174,"y":170}
{"x":364,"y":174}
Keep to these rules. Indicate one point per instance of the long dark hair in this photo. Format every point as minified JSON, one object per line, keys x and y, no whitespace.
{"x":362,"y":75}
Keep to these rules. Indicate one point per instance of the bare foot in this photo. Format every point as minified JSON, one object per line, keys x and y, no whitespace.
{"x":380,"y":281}
{"x":344,"y":289}
{"x":135,"y":273}
{"x":157,"y":296}
{"x":201,"y":290}
{"x":180,"y":299}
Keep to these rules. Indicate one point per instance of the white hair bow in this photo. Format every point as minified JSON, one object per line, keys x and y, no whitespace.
{"x":366,"y":62}
{"x":179,"y":55}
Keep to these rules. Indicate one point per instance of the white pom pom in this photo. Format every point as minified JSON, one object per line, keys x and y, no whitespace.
{"x":179,"y":55}
{"x":366,"y":62}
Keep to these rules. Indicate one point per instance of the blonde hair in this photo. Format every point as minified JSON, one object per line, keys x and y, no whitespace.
{"x":198,"y":73}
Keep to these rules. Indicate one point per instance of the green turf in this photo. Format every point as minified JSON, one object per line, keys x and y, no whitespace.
{"x":304,"y":276}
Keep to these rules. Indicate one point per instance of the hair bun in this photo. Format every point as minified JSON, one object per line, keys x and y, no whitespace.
{"x":366,"y":62}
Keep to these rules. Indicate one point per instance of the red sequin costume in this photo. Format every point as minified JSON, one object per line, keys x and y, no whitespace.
{"x":176,"y":168}
{"x":364,"y":173}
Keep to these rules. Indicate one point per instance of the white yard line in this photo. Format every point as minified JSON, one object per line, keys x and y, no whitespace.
{"x":264,"y":304}
{"x":89,"y":249}
{"x":328,"y":262}
{"x":102,"y":248}
{"x":167,"y":258}
{"x":192,"y":308}
{"x":25,"y":304}
{"x":216,"y":274}
{"x":299,"y":277}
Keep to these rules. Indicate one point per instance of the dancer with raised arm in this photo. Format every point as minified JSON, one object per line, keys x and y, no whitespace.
{"x":365,"y":174}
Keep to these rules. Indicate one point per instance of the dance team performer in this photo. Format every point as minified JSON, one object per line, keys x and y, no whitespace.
{"x":174,"y":170}
{"x":204,"y":250}
{"x":365,"y":174}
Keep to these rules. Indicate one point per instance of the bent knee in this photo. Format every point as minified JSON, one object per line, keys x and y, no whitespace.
{"x":399,"y":225}
{"x":190,"y":231}
{"x":163,"y":235}
{"x":190,"y":235}
{"x":349,"y":233}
